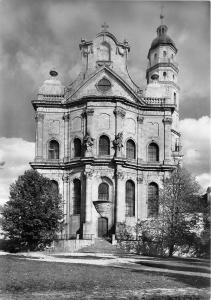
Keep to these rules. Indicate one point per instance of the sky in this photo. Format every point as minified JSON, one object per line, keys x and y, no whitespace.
{"x":36,"y":36}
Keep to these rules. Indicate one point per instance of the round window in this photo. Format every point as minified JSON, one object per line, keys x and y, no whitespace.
{"x":104,"y":85}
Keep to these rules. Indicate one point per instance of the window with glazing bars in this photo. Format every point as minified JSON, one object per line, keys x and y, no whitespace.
{"x":153,"y":152}
{"x":77,"y":147}
{"x":103,"y":192}
{"x":153,"y":198}
{"x":104,"y":145}
{"x":53,"y":150}
{"x":130,"y":149}
{"x":76,"y":197}
{"x":130,"y":199}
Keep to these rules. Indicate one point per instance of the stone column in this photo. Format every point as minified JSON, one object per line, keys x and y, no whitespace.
{"x":39,"y":117}
{"x":87,"y":226}
{"x":167,"y":139}
{"x":140,"y":145}
{"x":140,"y":198}
{"x":66,"y":200}
{"x":66,"y":118}
{"x":120,"y":197}
{"x":119,"y":116}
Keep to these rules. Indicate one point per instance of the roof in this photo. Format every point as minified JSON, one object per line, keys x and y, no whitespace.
{"x":162,"y":38}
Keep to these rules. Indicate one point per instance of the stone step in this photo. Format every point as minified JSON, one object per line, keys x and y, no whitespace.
{"x":102,"y":246}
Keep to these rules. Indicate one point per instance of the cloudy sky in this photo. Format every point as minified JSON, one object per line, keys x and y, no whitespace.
{"x":38,"y":35}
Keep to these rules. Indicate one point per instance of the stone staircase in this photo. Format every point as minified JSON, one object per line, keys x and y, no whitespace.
{"x":102,"y":246}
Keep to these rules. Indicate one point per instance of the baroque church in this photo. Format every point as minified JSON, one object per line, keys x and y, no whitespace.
{"x":106,"y":144}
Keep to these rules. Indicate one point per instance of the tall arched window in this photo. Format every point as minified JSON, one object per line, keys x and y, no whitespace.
{"x":76,"y":196}
{"x":55,"y":186}
{"x":153,"y":197}
{"x":104,"y":145}
{"x":130,"y":149}
{"x":153,"y":152}
{"x":130,"y":199}
{"x":164,"y":53}
{"x":53,"y":150}
{"x":77,"y":147}
{"x":103,"y":192}
{"x":155,"y":56}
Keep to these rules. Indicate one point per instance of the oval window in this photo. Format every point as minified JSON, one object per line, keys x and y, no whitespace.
{"x":104,"y":85}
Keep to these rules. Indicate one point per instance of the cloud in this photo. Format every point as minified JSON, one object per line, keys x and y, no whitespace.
{"x":196,"y":140}
{"x":16,"y":153}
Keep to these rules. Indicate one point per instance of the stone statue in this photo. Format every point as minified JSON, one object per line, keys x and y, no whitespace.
{"x":117,"y":142}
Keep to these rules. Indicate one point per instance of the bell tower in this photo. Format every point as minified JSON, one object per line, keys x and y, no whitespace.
{"x":161,"y":60}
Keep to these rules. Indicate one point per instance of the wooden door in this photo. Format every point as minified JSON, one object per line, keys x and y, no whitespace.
{"x":102,"y":227}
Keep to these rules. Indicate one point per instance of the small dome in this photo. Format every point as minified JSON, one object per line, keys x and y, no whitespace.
{"x":52,"y":86}
{"x":162,"y":38}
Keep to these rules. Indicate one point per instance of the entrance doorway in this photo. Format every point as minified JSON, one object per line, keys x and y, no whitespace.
{"x":102,"y":227}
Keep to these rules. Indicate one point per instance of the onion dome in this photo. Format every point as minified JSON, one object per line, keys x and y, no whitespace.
{"x":52,"y":86}
{"x":162,"y":38}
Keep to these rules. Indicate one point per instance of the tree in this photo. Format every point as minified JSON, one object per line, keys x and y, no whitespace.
{"x":32,"y":216}
{"x":178,"y":215}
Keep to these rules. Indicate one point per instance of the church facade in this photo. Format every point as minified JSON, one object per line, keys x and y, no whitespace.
{"x":106,"y":144}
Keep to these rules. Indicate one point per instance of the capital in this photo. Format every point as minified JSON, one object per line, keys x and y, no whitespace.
{"x":39,"y":117}
{"x":120,"y":175}
{"x":65,"y":178}
{"x":140,"y":119}
{"x":140,"y":179}
{"x":119,"y":112}
{"x":167,"y":120}
{"x":89,"y":174}
{"x":66,"y":117}
{"x":88,"y":112}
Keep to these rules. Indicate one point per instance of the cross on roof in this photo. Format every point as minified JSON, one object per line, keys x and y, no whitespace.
{"x":104,"y":26}
{"x":161,"y":14}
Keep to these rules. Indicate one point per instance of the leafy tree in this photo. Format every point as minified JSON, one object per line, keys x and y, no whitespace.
{"x":32,"y":216}
{"x":178,"y":215}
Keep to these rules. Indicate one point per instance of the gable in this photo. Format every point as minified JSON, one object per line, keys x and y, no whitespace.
{"x":104,"y":83}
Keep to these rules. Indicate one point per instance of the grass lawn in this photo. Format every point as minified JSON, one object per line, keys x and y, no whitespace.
{"x":27,"y":276}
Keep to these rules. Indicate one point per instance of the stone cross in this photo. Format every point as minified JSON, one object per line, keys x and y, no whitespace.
{"x":104,"y":27}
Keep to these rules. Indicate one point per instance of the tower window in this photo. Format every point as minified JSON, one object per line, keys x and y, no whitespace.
{"x":164,"y":53}
{"x":77,"y":147}
{"x":155,"y":56}
{"x":153,"y":197}
{"x":175,"y":96}
{"x":130,"y":199}
{"x":164,"y":74}
{"x":172,"y":56}
{"x":173,"y":76}
{"x":103,"y":192}
{"x":130,"y":149}
{"x":76,"y":197}
{"x":153,"y":152}
{"x":53,"y":150}
{"x":104,"y":145}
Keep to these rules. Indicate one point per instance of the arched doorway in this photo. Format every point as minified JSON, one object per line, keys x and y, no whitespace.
{"x":102,"y":227}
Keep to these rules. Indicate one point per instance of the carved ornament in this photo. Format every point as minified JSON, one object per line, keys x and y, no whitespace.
{"x":89,"y":173}
{"x":140,"y":179}
{"x":66,"y":178}
{"x":120,"y":175}
{"x":167,"y":120}
{"x":118,"y":141}
{"x":140,"y":119}
{"x":88,"y":112}
{"x":119,"y":112}
{"x":39,"y":117}
{"x":66,"y":117}
{"x":88,"y":141}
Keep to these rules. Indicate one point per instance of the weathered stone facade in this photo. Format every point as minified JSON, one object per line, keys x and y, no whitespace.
{"x":107,"y":143}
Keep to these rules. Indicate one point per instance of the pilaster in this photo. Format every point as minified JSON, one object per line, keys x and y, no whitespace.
{"x":167,"y":121}
{"x":119,"y":116}
{"x":66,"y":118}
{"x":120,"y":197}
{"x":140,"y":145}
{"x":39,"y":118}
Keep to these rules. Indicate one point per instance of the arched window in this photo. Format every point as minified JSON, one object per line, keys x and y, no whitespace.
{"x":164,"y":75}
{"x":104,"y":145}
{"x":153,"y":197}
{"x":76,"y":196}
{"x":153,"y":152}
{"x":53,"y":150}
{"x":130,"y":149}
{"x":55,"y":186}
{"x":103,"y":192}
{"x":175,"y":96}
{"x":130,"y":199}
{"x":164,"y":53}
{"x":77,"y":147}
{"x":155,"y":56}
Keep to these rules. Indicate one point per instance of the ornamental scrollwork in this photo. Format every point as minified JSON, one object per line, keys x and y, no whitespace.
{"x":140,"y":119}
{"x":118,"y":141}
{"x":167,"y":121}
{"x":66,"y":117}
{"x":119,"y":112}
{"x":66,"y":178}
{"x":89,"y":173}
{"x":120,"y":175}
